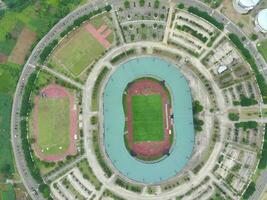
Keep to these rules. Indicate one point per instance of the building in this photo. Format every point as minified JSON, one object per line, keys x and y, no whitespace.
{"x":244,"y":6}
{"x":261,"y":20}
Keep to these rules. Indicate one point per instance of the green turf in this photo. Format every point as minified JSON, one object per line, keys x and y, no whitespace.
{"x":7,"y":192}
{"x":147,"y":118}
{"x":53,"y":125}
{"x":263,"y":49}
{"x":77,"y":53}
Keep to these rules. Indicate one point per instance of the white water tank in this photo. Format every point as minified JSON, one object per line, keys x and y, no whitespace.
{"x":261,"y":20}
{"x":244,"y":6}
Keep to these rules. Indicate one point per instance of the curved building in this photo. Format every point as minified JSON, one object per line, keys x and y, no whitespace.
{"x":244,"y":6}
{"x":261,"y":20}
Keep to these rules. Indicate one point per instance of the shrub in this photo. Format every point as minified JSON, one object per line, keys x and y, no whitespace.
{"x":206,"y":16}
{"x":249,"y":191}
{"x":233,"y":116}
{"x":180,"y":6}
{"x":248,"y":57}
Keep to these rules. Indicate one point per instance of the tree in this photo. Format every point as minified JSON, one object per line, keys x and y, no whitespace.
{"x":6,"y":170}
{"x":127,"y":4}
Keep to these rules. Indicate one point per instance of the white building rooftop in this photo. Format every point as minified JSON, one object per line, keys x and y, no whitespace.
{"x":261,"y":20}
{"x":244,"y":6}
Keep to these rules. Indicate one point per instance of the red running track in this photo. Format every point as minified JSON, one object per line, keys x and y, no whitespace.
{"x":56,"y":91}
{"x":148,"y":148}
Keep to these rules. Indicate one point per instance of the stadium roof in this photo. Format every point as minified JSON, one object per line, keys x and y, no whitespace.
{"x":262,"y":19}
{"x":249,"y":3}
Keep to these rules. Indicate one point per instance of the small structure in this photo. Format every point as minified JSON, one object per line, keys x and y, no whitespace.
{"x":244,"y":6}
{"x":261,"y":20}
{"x":221,"y":69}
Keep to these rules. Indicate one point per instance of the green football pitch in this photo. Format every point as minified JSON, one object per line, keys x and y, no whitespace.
{"x":147,"y":118}
{"x":53,"y":125}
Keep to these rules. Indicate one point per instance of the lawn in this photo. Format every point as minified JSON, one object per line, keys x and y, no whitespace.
{"x":6,"y":158}
{"x":262,"y":48}
{"x":147,"y":118}
{"x":77,"y":52}
{"x":53,"y":125}
{"x":7,"y":192}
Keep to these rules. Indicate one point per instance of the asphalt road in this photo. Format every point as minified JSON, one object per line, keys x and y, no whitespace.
{"x":28,"y":181}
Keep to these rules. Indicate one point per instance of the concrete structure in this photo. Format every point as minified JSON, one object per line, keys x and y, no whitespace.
{"x":261,"y":20}
{"x":244,"y":6}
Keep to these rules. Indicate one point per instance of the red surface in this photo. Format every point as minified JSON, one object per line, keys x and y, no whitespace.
{"x":100,"y":34}
{"x":148,"y":148}
{"x":56,"y":91}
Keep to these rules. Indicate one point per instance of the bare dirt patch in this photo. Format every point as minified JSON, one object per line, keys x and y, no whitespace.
{"x":3,"y":58}
{"x":23,"y":45}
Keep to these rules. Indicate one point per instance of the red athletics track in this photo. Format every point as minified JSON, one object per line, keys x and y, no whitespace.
{"x":148,"y":148}
{"x":56,"y":91}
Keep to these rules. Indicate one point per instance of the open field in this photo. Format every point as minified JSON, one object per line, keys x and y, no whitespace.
{"x":77,"y":52}
{"x":23,"y":45}
{"x":6,"y":158}
{"x":53,"y":125}
{"x":7,"y":192}
{"x":37,"y":17}
{"x":147,"y":118}
{"x":262,"y":48}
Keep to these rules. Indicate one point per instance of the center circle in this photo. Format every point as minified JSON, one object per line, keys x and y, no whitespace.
{"x":114,"y":120}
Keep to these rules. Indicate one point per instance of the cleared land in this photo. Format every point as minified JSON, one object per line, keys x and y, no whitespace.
{"x":53,"y":125}
{"x":23,"y":45}
{"x":262,"y":48}
{"x":77,"y":52}
{"x":147,"y":118}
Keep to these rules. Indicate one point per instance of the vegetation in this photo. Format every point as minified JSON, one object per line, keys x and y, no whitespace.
{"x":213,"y":3}
{"x":98,"y":81}
{"x":88,"y":174}
{"x":263,"y":156}
{"x":206,"y":16}
{"x":249,"y":58}
{"x":247,"y":125}
{"x":26,"y":146}
{"x":53,"y":125}
{"x":262,"y":48}
{"x":233,"y":116}
{"x":128,"y":186}
{"x":99,"y":155}
{"x":75,"y":52}
{"x":193,"y":32}
{"x":47,"y":50}
{"x":156,"y":4}
{"x":245,"y":101}
{"x":180,"y":6}
{"x":122,"y":55}
{"x":127,"y":4}
{"x":250,"y":190}
{"x":197,"y":108}
{"x":147,"y":118}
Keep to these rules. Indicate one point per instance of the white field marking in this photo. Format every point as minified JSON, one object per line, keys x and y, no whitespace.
{"x":166,"y":112}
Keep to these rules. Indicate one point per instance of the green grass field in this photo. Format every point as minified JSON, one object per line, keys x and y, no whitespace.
{"x":7,"y":192}
{"x":77,"y":53}
{"x":263,"y":49}
{"x":53,"y":125}
{"x":147,"y":118}
{"x":6,"y":158}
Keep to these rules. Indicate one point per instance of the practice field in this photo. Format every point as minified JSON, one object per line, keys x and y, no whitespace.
{"x":77,"y":52}
{"x":53,"y":125}
{"x":147,"y":118}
